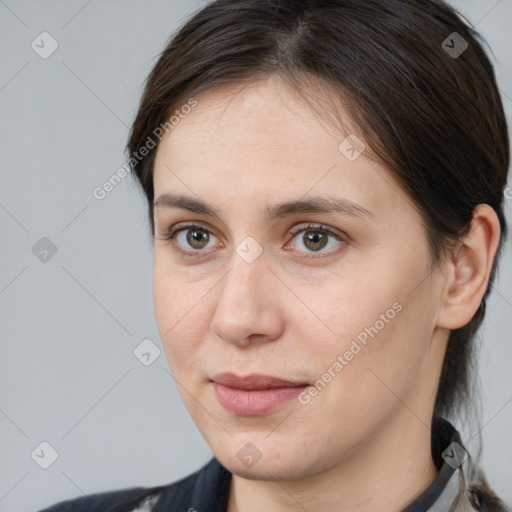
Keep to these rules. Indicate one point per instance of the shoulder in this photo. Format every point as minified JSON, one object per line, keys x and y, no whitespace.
{"x":178,"y":493}
{"x":103,"y":501}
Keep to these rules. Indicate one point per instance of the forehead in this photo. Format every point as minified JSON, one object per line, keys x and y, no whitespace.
{"x":267,"y":113}
{"x":261,"y":139}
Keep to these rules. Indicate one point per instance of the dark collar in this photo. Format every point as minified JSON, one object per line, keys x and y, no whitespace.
{"x":446,"y":434}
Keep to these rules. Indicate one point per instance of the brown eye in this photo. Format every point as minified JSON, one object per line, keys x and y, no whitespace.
{"x":197,"y":238}
{"x":189,"y":239}
{"x":315,"y":240}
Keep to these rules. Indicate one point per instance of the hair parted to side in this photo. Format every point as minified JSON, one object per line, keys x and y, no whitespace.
{"x":435,"y":122}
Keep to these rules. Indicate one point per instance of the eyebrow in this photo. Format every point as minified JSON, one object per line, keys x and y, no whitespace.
{"x":271,"y":212}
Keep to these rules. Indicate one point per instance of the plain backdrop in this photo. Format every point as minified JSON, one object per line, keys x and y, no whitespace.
{"x":75,"y":272}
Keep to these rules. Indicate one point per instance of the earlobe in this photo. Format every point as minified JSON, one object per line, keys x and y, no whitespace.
{"x":469,"y":269}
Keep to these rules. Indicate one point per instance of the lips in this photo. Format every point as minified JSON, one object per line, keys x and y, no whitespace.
{"x":254,"y":394}
{"x":254,"y":382}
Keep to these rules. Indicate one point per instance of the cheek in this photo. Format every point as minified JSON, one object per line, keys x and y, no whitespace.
{"x":344,"y":308}
{"x":372,"y":322}
{"x":180,"y":318}
{"x":175,"y":294}
{"x":383,"y":340}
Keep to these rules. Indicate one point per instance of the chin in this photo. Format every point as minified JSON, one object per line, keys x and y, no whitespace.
{"x":257,"y":458}
{"x":262,"y":470}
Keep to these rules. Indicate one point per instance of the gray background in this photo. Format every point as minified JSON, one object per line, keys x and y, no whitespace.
{"x":70,"y":325}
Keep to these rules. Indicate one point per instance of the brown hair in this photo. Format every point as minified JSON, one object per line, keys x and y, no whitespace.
{"x":433,"y":118}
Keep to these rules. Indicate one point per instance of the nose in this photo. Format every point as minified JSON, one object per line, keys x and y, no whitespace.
{"x":250,"y":304}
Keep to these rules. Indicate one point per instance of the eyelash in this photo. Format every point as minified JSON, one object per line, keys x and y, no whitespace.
{"x":318,"y":228}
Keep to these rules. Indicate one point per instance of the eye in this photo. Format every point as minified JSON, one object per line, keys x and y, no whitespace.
{"x":189,"y":239}
{"x":316,"y":237}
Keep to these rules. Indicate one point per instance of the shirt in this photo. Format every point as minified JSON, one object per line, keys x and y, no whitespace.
{"x":207,"y":489}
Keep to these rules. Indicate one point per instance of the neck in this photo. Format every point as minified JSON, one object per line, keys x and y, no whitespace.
{"x":385,"y":474}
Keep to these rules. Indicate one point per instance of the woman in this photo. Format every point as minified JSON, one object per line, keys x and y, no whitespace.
{"x":325,"y":186}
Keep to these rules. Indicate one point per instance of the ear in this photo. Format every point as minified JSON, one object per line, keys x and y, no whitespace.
{"x":467,"y":271}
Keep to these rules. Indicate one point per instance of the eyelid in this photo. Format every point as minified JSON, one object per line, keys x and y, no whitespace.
{"x":316,"y":226}
{"x":167,"y":233}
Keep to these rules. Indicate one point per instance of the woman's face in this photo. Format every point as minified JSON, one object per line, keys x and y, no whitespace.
{"x":348,"y":311}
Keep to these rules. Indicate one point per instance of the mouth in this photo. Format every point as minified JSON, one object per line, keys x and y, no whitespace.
{"x":254,"y":395}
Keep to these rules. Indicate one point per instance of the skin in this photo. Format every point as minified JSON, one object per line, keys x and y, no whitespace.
{"x":364,"y":439}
